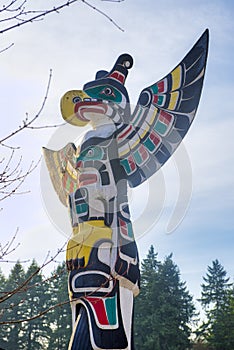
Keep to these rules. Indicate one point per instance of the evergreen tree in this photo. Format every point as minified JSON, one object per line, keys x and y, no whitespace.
{"x":144,"y":316}
{"x":218,"y":301}
{"x":37,"y":299}
{"x":60,"y":317}
{"x":215,"y":289}
{"x":164,"y":308}
{"x":176,"y":309}
{"x":51,"y":330}
{"x":2,"y":328}
{"x":2,"y":282}
{"x":222,"y":329}
{"x":12,"y":308}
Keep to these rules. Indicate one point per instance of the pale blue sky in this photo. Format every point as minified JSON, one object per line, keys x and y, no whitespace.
{"x":77,"y":43}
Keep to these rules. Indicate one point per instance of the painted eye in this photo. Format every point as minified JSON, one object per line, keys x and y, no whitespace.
{"x":90,"y":153}
{"x":76,"y":99}
{"x":108,"y":92}
{"x":145,"y":98}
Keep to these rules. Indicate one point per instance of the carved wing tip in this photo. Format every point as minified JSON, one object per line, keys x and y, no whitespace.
{"x":54,"y":169}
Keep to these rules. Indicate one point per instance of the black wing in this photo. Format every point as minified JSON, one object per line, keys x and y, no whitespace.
{"x":162,"y":117}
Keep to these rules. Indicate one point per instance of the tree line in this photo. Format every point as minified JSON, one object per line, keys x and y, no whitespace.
{"x":37,"y":314}
{"x":165,"y":313}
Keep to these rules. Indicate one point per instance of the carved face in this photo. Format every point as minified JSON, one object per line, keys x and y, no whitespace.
{"x":97,"y":104}
{"x":101,"y":101}
{"x":93,"y":165}
{"x":96,"y":178}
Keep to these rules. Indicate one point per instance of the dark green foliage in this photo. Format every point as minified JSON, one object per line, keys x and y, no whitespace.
{"x":218,"y":302}
{"x":215,"y":289}
{"x":12,"y":308}
{"x":164,"y":308}
{"x":41,"y":305}
{"x":2,"y":306}
{"x":60,"y":316}
{"x":37,"y":300}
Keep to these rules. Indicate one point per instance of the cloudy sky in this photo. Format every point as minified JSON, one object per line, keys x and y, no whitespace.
{"x":196,"y":224}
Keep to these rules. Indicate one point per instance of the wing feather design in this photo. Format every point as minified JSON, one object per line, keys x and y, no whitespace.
{"x":63,"y":174}
{"x":162,"y":117}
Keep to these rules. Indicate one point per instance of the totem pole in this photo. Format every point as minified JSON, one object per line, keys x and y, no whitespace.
{"x":122,"y":149}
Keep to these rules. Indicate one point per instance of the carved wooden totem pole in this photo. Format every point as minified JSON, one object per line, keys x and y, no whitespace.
{"x":123,"y":148}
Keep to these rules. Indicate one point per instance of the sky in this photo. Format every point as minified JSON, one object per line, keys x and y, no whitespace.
{"x":75,"y":44}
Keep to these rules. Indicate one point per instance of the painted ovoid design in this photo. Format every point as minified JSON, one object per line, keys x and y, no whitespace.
{"x":121,"y":149}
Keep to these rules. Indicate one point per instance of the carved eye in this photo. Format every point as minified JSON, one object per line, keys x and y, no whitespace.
{"x":108,"y":92}
{"x":76,"y":99}
{"x":145,"y":98}
{"x":90,"y":152}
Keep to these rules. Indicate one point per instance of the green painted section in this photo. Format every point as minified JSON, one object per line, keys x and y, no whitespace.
{"x":98,"y":92}
{"x":160,"y":128}
{"x":160,"y":100}
{"x":111,"y":310}
{"x":154,"y":88}
{"x":149,"y":144}
{"x":81,"y":208}
{"x":91,"y":153}
{"x":138,"y":117}
{"x":68,"y":182}
{"x":130,"y":230}
{"x":125,"y":164}
{"x":137,"y":158}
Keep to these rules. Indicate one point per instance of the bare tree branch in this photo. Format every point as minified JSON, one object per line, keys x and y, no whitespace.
{"x":7,"y":249}
{"x":12,"y":177}
{"x":103,"y":14}
{"x":26,"y":122}
{"x":42,"y":313}
{"x":7,"y":48}
{"x":19,"y":14}
{"x":14,"y":15}
{"x":45,"y":311}
{"x":11,"y":174}
{"x":25,"y":284}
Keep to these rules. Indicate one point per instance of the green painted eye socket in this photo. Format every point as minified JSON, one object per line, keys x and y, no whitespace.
{"x":91,"y":153}
{"x":106,"y":92}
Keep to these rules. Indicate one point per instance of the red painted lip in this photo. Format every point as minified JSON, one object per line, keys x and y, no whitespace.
{"x":87,"y":179}
{"x":91,"y":107}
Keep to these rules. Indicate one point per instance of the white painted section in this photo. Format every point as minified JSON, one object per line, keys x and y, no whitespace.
{"x":126,"y":306}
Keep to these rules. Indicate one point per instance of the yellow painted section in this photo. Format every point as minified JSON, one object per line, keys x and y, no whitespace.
{"x":176,"y":78}
{"x":71,"y":171}
{"x":173,"y":100}
{"x":85,"y":235}
{"x":67,"y":106}
{"x":125,"y":151}
{"x":56,"y":160}
{"x":135,"y":144}
{"x":153,"y":116}
{"x":143,"y":131}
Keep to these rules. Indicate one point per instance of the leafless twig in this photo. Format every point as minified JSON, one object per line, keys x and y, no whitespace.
{"x":12,"y":176}
{"x":25,"y":284}
{"x":103,"y":14}
{"x":17,"y":13}
{"x":6,"y":48}
{"x":26,"y":122}
{"x":8,"y":247}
